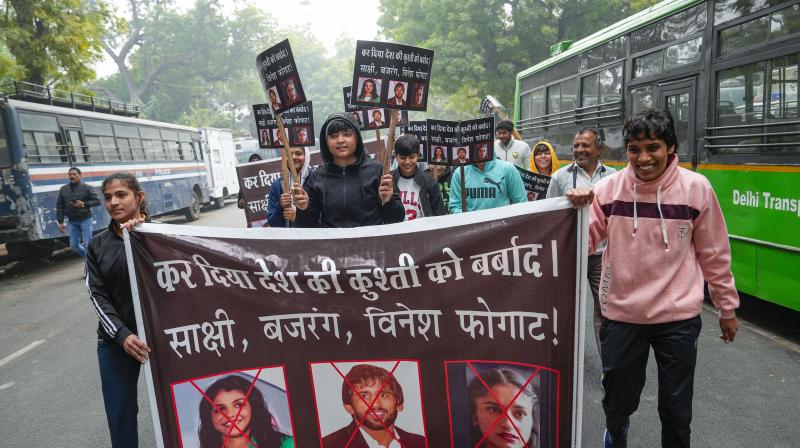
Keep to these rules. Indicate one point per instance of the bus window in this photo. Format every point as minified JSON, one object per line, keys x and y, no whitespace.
{"x":675,"y":27}
{"x":42,"y":138}
{"x":76,"y":145}
{"x":187,"y":152}
{"x":568,"y":94}
{"x":785,"y":22}
{"x":641,"y":98}
{"x":554,"y":99}
{"x":126,"y":135}
{"x":745,"y":35}
{"x":537,"y":103}
{"x":124,"y":149}
{"x":783,"y":89}
{"x":611,"y":85}
{"x":5,"y":151}
{"x":153,"y":150}
{"x":100,"y":142}
{"x":589,"y":90}
{"x":171,"y":149}
{"x":740,"y":94}
{"x":525,"y":106}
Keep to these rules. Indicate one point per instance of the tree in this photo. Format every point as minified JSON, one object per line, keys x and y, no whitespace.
{"x":51,"y":42}
{"x":481,"y":45}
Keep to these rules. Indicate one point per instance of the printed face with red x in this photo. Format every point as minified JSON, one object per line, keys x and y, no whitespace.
{"x":231,"y":406}
{"x":384,"y":409}
{"x":503,"y":415}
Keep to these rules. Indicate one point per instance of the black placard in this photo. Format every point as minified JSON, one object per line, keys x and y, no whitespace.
{"x":367,"y":117}
{"x":399,"y":75}
{"x":280,"y":78}
{"x":298,"y":122}
{"x":459,"y":143}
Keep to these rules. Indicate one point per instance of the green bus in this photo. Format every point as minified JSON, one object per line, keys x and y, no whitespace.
{"x":728,"y":71}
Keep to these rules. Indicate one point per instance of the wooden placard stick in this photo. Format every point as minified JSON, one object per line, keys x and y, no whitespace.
{"x":378,"y":150}
{"x":387,"y":155}
{"x":287,"y":154}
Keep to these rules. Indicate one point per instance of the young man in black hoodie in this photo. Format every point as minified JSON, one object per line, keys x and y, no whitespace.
{"x":348,"y":190}
{"x":419,"y":192}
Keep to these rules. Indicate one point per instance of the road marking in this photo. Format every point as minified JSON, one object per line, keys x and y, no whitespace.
{"x":761,"y":332}
{"x":6,"y":386}
{"x":20,"y":352}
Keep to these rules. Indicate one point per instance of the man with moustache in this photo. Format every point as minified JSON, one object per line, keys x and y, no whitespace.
{"x":378,"y":428}
{"x":585,"y":172}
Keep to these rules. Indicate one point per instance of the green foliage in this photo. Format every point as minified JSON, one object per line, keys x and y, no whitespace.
{"x":481,"y":45}
{"x":51,"y":42}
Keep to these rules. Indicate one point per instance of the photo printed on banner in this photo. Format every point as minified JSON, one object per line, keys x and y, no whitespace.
{"x":298,"y":123}
{"x":279,"y":76}
{"x":459,"y":143}
{"x":370,"y":118}
{"x":419,"y":129}
{"x":391,"y":75}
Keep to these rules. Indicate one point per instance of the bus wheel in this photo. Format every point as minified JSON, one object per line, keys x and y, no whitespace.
{"x":192,"y":212}
{"x":218,"y":202}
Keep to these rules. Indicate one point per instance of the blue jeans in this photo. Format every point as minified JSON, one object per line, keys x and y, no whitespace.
{"x":80,"y":230}
{"x":119,"y":375}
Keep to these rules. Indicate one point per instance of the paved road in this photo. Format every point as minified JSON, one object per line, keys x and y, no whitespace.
{"x":746,"y":394}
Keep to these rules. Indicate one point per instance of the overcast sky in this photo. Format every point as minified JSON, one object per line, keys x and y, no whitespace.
{"x":326,"y":19}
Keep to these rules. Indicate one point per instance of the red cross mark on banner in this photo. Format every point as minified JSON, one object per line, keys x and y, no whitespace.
{"x":369,"y":401}
{"x":224,"y":413}
{"x":504,"y":415}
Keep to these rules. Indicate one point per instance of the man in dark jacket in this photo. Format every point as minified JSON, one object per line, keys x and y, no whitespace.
{"x":419,"y":192}
{"x":348,"y":190}
{"x":75,"y":201}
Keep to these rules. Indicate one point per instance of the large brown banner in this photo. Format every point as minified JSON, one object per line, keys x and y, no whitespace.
{"x":447,"y":331}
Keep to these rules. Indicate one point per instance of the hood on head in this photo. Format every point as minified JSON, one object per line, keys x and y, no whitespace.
{"x":324,"y":151}
{"x":554,"y":165}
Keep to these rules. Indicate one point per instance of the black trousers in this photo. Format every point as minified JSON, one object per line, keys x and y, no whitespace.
{"x":625,"y":349}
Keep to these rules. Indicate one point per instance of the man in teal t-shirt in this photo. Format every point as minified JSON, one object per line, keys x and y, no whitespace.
{"x":488,"y":185}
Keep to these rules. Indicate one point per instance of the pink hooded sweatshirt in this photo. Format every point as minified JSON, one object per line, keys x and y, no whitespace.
{"x":664,"y":236}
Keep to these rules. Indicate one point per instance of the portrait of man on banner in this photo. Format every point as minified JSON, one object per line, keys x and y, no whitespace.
{"x":277,"y":137}
{"x":481,"y":152}
{"x":398,"y":90}
{"x":289,"y":87}
{"x":417,"y":95}
{"x":380,"y":404}
{"x":377,"y":118}
{"x":460,"y":155}
{"x":242,"y":407}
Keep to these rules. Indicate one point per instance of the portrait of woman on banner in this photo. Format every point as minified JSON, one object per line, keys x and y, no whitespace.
{"x":370,"y":90}
{"x":229,"y":416}
{"x":504,"y":410}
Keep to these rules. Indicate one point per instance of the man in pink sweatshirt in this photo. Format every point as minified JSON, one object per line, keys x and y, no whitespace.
{"x":665,"y":234}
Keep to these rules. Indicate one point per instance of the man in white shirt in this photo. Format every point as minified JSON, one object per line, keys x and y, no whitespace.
{"x":585,"y":172}
{"x":508,"y":149}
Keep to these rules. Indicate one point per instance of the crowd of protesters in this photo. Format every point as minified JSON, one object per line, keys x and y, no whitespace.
{"x":656,"y":234}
